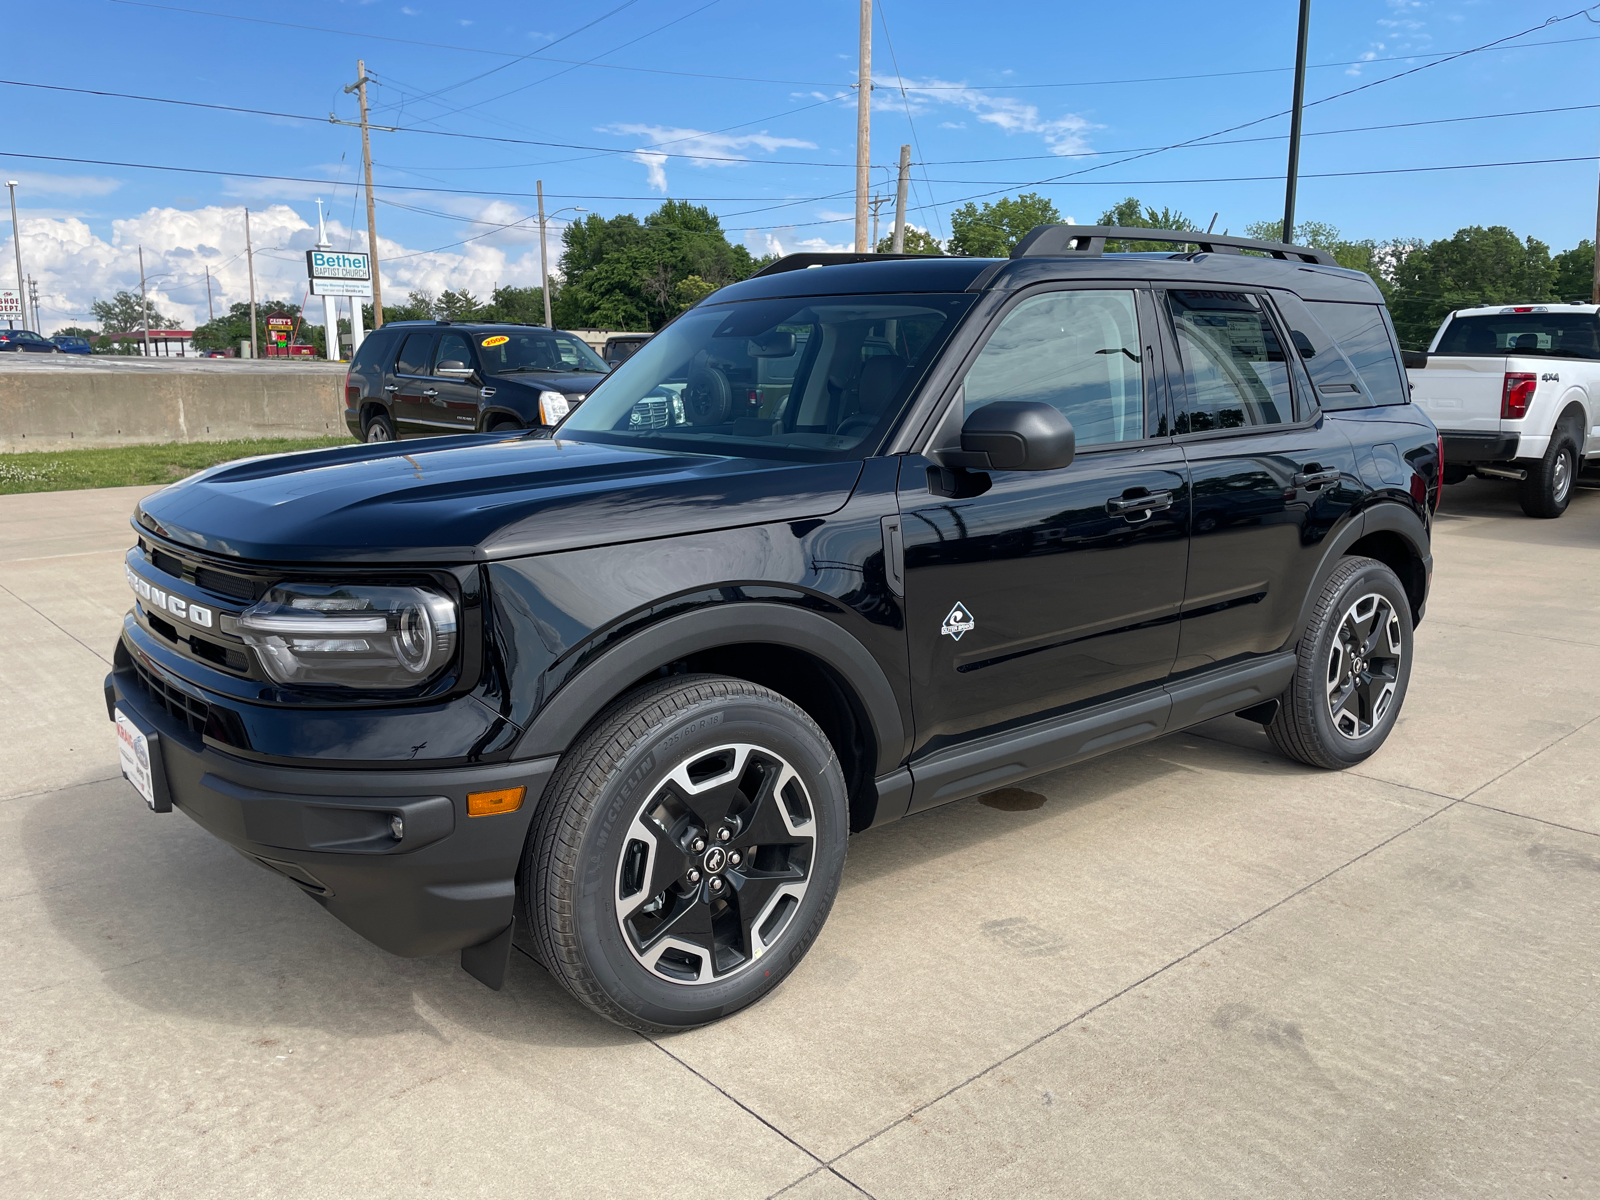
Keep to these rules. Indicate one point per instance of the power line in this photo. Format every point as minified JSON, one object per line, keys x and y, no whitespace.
{"x":997,"y":87}
{"x":937,"y":216}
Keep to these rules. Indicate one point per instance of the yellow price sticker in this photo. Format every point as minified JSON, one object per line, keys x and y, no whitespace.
{"x":499,"y":339}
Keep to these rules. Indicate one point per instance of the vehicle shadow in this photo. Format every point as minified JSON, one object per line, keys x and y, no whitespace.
{"x":174,"y":921}
{"x":1465,"y":504}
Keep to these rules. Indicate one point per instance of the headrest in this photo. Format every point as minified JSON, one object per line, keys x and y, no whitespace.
{"x":880,"y":379}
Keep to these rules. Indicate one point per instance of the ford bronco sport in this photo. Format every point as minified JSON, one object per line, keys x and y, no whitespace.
{"x":838,"y":545}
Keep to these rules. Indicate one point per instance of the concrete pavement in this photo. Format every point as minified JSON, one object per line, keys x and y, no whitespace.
{"x":1188,"y":969}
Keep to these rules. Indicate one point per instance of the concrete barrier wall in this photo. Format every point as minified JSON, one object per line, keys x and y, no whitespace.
{"x":55,"y":407}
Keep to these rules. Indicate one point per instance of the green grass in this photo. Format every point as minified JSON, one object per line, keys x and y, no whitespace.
{"x":131,"y":466}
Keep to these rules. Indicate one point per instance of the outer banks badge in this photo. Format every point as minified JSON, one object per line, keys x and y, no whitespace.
{"x":958,"y":622}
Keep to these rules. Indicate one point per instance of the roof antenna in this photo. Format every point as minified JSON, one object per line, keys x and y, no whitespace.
{"x":1213,"y":224}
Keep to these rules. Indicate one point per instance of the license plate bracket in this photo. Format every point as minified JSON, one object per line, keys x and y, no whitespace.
{"x":139,"y":749}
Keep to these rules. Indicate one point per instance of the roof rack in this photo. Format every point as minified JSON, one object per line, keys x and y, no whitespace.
{"x":799,"y":262}
{"x":1089,"y":241}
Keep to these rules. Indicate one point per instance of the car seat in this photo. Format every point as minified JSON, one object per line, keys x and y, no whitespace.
{"x":880,"y":380}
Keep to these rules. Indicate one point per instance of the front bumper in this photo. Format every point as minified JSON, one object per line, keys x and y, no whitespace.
{"x":449,"y":882}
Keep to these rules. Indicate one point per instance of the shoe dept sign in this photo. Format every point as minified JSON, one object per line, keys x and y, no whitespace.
{"x":338,"y":273}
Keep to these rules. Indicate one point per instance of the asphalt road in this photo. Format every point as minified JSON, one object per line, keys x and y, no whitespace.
{"x":1187,"y":969}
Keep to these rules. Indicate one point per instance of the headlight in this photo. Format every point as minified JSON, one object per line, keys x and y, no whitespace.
{"x":552,"y":407}
{"x":360,"y":637}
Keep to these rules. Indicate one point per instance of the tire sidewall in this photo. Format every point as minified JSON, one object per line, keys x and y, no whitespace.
{"x":1374,"y":577}
{"x":384,"y":420}
{"x":701,"y":727}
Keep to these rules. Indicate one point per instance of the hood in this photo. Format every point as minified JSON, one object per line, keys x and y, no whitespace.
{"x":474,"y":498}
{"x":567,"y":382}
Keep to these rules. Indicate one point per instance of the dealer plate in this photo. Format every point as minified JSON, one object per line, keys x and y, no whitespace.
{"x":141,"y":764}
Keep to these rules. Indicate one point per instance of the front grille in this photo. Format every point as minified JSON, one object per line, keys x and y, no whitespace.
{"x":650,"y":413}
{"x":223,"y":583}
{"x":165,"y":562}
{"x":188,"y":710}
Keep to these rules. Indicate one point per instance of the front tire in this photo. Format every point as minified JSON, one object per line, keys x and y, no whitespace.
{"x":687,"y":852}
{"x":1547,"y":490}
{"x":1354,"y":666}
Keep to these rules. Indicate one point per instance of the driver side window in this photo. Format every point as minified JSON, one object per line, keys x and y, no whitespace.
{"x":1076,"y":350}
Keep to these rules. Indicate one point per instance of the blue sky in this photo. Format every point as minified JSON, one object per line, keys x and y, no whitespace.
{"x":747,"y":106}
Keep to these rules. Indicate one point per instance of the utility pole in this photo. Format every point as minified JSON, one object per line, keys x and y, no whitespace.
{"x":863,"y":125}
{"x":877,"y":203}
{"x":544,"y":267}
{"x":144,"y":305}
{"x":360,"y":88}
{"x":1594,"y":295}
{"x":250,"y":263}
{"x":16,"y":244}
{"x":330,"y":311}
{"x":899,"y":243}
{"x":1294,"y":120}
{"x":211,"y":309}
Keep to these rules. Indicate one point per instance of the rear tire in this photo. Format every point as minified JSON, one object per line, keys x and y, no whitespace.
{"x":1547,"y":490}
{"x":687,"y":852}
{"x":379,"y":429}
{"x":1354,"y":666}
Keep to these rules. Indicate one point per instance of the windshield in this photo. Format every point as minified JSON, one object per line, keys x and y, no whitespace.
{"x":536,"y":350}
{"x":817,"y":379}
{"x":1557,"y":334}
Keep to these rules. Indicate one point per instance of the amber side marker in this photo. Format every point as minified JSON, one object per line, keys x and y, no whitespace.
{"x":486,"y":804}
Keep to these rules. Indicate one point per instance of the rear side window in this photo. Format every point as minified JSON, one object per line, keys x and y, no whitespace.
{"x":370,"y":354}
{"x":416,"y":354}
{"x":1363,"y":335}
{"x":1338,"y":386}
{"x":1235,"y":372}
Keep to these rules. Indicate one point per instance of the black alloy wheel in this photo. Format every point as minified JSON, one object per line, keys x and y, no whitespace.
{"x":686,"y":852}
{"x":1354,"y":664}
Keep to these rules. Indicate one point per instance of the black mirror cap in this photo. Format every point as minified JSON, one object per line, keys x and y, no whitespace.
{"x":1414,"y":360}
{"x":1016,"y":435}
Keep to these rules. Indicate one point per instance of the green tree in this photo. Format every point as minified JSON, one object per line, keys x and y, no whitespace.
{"x":918,"y":241}
{"x":1377,"y":259}
{"x":1475,"y":266}
{"x":623,"y":273}
{"x":994,"y":230}
{"x":516,"y":305}
{"x":458,"y":306}
{"x":1574,"y":273}
{"x":123,"y":314}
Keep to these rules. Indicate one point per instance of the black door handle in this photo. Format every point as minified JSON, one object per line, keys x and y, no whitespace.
{"x":1314,"y":477}
{"x":1139,"y":507}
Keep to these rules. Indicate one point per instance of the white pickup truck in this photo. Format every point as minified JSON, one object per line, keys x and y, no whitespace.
{"x":1515,"y":392}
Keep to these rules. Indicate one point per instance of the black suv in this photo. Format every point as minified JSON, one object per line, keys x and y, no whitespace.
{"x":835,"y":546}
{"x":413,"y":379}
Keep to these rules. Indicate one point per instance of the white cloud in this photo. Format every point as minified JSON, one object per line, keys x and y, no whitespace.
{"x":39,"y":183}
{"x":75,"y":266}
{"x":1404,"y":32}
{"x":784,"y":241}
{"x":723,"y":148}
{"x":1065,"y":134}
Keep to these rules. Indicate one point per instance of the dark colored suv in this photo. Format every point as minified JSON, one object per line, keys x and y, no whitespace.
{"x":835,"y":546}
{"x":414,"y":379}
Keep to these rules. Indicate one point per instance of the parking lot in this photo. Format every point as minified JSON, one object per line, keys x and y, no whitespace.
{"x":1188,"y":969}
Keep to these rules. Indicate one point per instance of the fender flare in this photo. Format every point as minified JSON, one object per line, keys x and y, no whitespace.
{"x":1575,"y":395}
{"x":581,"y":698}
{"x":1387,"y":517}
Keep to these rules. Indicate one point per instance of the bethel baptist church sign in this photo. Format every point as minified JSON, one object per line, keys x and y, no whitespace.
{"x":336,"y":273}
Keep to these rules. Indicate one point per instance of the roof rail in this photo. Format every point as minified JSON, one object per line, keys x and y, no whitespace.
{"x":799,"y":262}
{"x":1089,"y":241}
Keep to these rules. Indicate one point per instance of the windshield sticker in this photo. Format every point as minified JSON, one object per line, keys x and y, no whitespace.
{"x":498,"y":339}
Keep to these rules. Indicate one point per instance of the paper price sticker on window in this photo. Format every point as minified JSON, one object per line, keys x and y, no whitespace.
{"x":499,"y":339}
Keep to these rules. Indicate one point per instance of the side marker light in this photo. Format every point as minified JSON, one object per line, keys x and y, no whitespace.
{"x":487,"y":804}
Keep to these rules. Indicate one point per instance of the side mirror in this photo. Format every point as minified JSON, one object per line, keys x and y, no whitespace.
{"x":1014,"y":435}
{"x":452,"y":369}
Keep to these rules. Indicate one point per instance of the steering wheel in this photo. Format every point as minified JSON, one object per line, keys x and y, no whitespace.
{"x":708,"y":397}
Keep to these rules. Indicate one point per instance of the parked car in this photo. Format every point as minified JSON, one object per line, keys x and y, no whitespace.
{"x":25,"y":341}
{"x":620,"y":347}
{"x":1515,"y":390}
{"x":69,"y":344}
{"x":414,"y":379}
{"x":639,"y":681}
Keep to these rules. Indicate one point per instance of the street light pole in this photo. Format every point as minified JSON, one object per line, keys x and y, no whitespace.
{"x":16,"y":244}
{"x":144,"y":305}
{"x":1294,"y":120}
{"x":863,"y":124}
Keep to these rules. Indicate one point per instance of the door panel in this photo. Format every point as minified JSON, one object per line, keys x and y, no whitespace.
{"x":454,"y":407}
{"x":411,"y":408}
{"x":1028,"y":593}
{"x":1267,"y":485}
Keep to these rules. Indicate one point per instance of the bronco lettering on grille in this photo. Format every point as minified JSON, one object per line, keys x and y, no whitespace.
{"x":198,"y":614}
